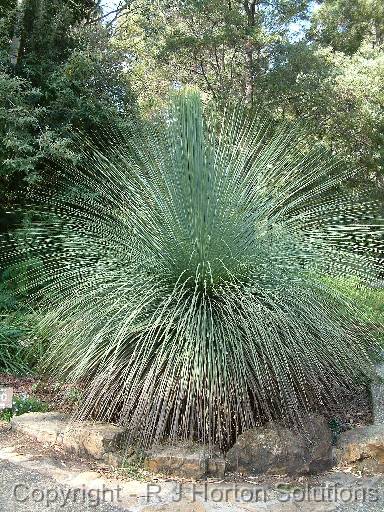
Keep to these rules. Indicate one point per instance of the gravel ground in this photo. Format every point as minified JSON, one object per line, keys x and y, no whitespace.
{"x":26,"y":490}
{"x":21,"y":490}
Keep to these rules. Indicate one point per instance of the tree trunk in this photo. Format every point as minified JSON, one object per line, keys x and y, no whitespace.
{"x":15,"y":43}
{"x":250,"y":9}
{"x":249,"y":73}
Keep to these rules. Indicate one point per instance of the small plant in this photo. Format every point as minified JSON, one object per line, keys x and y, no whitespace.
{"x":22,"y":404}
{"x":133,"y":466}
{"x":25,"y":403}
{"x":337,"y":427}
{"x":73,"y":395}
{"x":6,"y":415}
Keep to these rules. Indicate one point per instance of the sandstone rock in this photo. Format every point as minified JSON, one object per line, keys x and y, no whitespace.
{"x":115,"y":458}
{"x":95,"y":439}
{"x":370,"y":467}
{"x":184,"y":460}
{"x":45,"y":427}
{"x":274,"y":449}
{"x":361,"y":443}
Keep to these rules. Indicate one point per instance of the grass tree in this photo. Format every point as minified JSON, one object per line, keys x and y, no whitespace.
{"x":187,"y":273}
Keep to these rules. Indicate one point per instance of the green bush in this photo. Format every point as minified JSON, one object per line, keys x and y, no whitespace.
{"x":22,"y":404}
{"x":20,"y":347}
{"x":184,"y":275}
{"x":369,"y":301}
{"x":12,"y":353}
{"x":25,"y":403}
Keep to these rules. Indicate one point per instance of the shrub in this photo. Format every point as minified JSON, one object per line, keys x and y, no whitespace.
{"x":22,"y":404}
{"x":369,"y":301}
{"x":184,"y":275}
{"x":25,"y":403}
{"x":20,"y":347}
{"x":11,"y":349}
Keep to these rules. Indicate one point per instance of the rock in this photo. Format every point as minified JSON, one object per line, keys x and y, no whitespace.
{"x":4,"y":425}
{"x":46,"y":427}
{"x":276,"y":450}
{"x":370,"y":467}
{"x":183,"y":506}
{"x":115,"y":458}
{"x":94,"y":439}
{"x":361,"y":443}
{"x":365,"y":445}
{"x":185,"y":460}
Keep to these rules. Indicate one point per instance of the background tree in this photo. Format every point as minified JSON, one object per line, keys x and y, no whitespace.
{"x":67,"y":75}
{"x":322,"y":63}
{"x":60,"y":71}
{"x":339,"y":96}
{"x":225,"y":48}
{"x":346,"y":24}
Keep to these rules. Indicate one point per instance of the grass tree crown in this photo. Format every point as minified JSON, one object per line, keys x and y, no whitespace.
{"x":187,"y":273}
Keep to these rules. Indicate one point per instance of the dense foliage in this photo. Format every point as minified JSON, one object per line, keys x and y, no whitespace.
{"x":57,"y":75}
{"x":59,"y":72}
